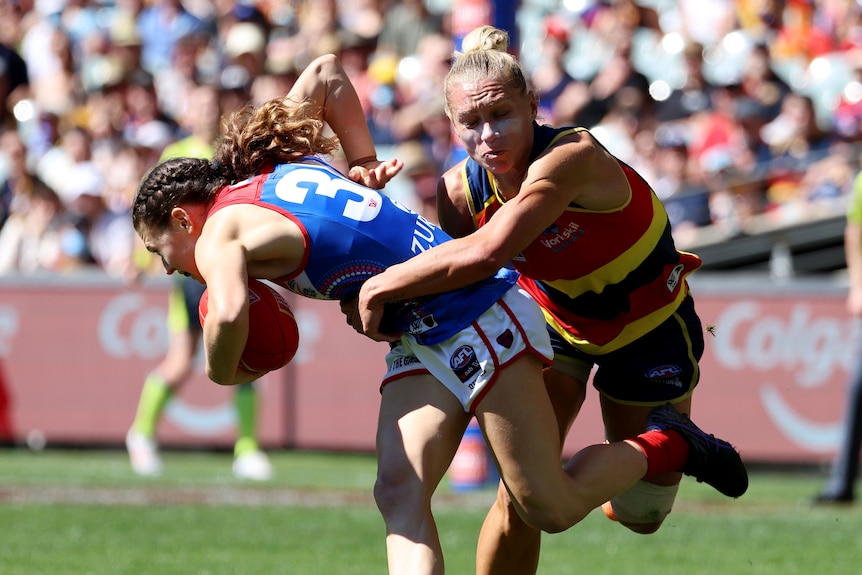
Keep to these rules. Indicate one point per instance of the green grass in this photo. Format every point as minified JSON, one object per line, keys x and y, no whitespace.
{"x":84,"y":512}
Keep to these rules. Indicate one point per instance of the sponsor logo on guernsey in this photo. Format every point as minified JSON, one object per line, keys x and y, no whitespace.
{"x":403,"y":362}
{"x":301,"y":285}
{"x":519,"y":258}
{"x":665,"y":374}
{"x":673,"y":277}
{"x":506,"y":339}
{"x":464,"y":363}
{"x":422,"y":325}
{"x":557,"y":239}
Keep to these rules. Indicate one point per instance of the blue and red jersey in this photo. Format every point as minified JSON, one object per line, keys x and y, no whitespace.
{"x":352,"y":233}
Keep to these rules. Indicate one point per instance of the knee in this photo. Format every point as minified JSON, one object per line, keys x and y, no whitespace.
{"x":550,"y":520}
{"x":510,"y":519}
{"x":548,"y":517}
{"x":395,"y":492}
{"x":643,"y":508}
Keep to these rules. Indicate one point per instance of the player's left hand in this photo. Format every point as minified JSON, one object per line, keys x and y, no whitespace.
{"x":369,"y":318}
{"x":374,"y":173}
{"x":350,"y":309}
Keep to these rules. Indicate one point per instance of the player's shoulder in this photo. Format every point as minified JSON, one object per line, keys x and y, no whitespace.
{"x":576,"y":154}
{"x":453,"y":178}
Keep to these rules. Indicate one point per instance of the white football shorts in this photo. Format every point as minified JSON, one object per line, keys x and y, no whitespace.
{"x":468,"y":363}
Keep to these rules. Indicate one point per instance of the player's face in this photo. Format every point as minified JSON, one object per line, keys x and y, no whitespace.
{"x":176,"y":248}
{"x":494,"y":122}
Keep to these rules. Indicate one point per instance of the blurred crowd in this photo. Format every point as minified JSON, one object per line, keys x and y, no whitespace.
{"x":736,"y":111}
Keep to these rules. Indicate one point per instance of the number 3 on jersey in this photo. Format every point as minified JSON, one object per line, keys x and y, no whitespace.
{"x":296,"y":185}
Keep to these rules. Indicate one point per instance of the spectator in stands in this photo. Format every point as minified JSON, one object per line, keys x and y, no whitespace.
{"x":679,"y":185}
{"x":418,"y":86}
{"x":173,"y":82}
{"x":161,"y":24}
{"x":144,"y":116}
{"x":14,"y":84}
{"x":560,"y":95}
{"x":405,"y":25}
{"x":16,"y":180}
{"x":616,"y":76}
{"x":792,"y":143}
{"x":104,"y":236}
{"x":29,"y":212}
{"x":735,"y":201}
{"x":716,"y":137}
{"x":30,"y":238}
{"x":72,"y":146}
{"x":245,"y":45}
{"x":46,"y":49}
{"x":694,"y":96}
{"x":760,"y":84}
{"x":316,"y":31}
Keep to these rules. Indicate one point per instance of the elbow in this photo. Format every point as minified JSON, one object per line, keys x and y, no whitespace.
{"x":326,"y":65}
{"x":489,"y":260}
{"x":216,"y":376}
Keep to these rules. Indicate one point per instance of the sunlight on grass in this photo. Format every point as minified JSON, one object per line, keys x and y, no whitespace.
{"x":82,"y":511}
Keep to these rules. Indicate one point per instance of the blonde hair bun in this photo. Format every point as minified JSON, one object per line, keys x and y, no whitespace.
{"x":485,"y":38}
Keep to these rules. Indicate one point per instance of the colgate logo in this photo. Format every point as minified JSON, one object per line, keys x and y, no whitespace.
{"x":810,"y":347}
{"x":805,"y":348}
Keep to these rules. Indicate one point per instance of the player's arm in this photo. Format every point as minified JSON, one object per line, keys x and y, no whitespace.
{"x":853,"y":247}
{"x":220,"y":257}
{"x":325,"y":83}
{"x":853,"y":250}
{"x":460,"y":262}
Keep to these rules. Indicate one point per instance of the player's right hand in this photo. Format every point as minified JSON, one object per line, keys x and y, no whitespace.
{"x":374,"y":173}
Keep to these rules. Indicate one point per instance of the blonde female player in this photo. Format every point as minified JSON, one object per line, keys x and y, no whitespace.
{"x":594,"y":247}
{"x":291,"y":218}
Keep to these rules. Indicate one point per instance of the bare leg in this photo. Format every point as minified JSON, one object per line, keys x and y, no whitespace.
{"x":507,"y":545}
{"x":519,"y":425}
{"x":419,"y":429}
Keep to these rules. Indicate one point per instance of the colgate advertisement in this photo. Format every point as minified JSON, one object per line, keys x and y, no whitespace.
{"x":75,"y":354}
{"x":776,"y":372}
{"x":773,"y":376}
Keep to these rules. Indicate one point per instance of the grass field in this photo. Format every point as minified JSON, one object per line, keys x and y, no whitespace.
{"x":85,"y":512}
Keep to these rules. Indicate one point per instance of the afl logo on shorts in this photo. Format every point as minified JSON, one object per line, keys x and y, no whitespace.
{"x":464,"y":363}
{"x":667,"y":371}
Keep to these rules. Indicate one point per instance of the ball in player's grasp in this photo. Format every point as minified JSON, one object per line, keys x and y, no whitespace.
{"x":273,"y":335}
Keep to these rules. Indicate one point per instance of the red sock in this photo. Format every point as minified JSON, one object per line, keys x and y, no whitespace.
{"x":665,"y":451}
